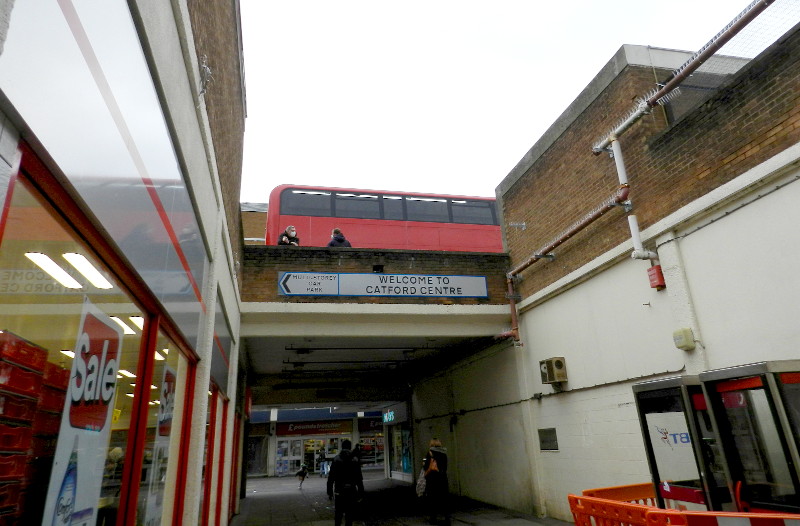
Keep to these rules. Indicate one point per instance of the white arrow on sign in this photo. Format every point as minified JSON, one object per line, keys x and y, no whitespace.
{"x":309,"y":283}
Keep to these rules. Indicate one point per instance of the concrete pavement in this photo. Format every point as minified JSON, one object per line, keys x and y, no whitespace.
{"x":277,"y":501}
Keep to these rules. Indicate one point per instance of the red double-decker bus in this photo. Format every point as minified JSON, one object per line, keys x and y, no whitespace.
{"x":381,"y":219}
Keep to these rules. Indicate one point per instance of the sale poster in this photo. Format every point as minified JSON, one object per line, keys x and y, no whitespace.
{"x":76,"y":479}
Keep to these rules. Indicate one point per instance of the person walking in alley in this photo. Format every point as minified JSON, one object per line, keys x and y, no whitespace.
{"x":437,"y":493}
{"x":301,"y":475}
{"x":346,"y":483}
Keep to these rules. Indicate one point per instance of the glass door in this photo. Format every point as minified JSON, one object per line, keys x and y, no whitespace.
{"x":759,"y":445}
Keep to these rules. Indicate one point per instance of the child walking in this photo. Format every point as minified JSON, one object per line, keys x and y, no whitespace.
{"x":301,"y":475}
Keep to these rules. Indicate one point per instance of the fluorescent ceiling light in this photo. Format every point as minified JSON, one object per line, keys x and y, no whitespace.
{"x":129,"y":394}
{"x":68,"y":353}
{"x":165,"y":350}
{"x":52,"y":268}
{"x":88,"y":270}
{"x":125,"y":328}
{"x":159,"y":357}
{"x":127,"y":373}
{"x":138,"y":321}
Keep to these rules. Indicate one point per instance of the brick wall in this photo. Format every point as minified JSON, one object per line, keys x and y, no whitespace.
{"x":751,"y":119}
{"x":254,"y":225}
{"x":214,"y":25}
{"x":262,"y":264}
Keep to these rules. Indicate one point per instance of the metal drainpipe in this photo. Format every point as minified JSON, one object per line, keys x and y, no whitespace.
{"x":618,"y":198}
{"x":638,"y":250}
{"x":747,"y":16}
{"x":679,"y":75}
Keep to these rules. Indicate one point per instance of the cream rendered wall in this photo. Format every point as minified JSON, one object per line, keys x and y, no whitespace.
{"x":476,"y":409}
{"x":742,"y":272}
{"x":612,"y":330}
{"x":729,"y":261}
{"x":599,"y":444}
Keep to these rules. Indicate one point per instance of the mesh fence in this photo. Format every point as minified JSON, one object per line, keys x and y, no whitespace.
{"x":766,"y":29}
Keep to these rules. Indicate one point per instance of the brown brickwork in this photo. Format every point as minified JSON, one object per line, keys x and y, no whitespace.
{"x":262,"y":264}
{"x":254,"y":225}
{"x":215,"y":28}
{"x":751,"y":119}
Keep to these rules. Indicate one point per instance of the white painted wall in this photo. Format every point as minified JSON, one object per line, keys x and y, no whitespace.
{"x":729,"y":263}
{"x":742,"y":272}
{"x":476,"y":409}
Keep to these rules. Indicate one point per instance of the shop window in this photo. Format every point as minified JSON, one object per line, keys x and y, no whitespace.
{"x":157,"y":470}
{"x":69,"y":345}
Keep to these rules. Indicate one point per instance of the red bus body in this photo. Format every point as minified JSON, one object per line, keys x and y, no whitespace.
{"x":384,"y":220}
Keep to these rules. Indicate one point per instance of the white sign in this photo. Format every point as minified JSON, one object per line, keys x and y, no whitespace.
{"x":414,"y":285}
{"x":80,"y":458}
{"x":672,"y":446}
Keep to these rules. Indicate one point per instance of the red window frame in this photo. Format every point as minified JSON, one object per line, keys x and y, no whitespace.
{"x":64,"y":201}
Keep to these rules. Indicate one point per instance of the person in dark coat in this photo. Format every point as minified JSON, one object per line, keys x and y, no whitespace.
{"x":437,"y":492}
{"x":289,"y":237}
{"x":338,"y":240}
{"x":346,"y":483}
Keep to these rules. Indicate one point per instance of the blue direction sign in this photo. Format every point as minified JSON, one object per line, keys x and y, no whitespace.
{"x":308,"y":284}
{"x":414,"y":285}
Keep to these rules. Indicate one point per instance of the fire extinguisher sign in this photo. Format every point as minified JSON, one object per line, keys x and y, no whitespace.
{"x":76,"y":480}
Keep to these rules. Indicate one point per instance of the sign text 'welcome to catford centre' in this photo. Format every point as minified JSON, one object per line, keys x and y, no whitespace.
{"x":332,"y":284}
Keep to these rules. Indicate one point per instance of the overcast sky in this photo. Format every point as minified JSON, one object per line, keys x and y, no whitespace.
{"x":440,"y":96}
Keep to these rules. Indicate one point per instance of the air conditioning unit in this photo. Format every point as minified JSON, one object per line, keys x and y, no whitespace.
{"x":554,"y":370}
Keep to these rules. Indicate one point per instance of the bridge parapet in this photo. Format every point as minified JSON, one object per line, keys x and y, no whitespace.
{"x":342,"y":275}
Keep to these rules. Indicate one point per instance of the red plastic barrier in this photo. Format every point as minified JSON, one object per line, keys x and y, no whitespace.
{"x":593,"y":511}
{"x":633,"y":493}
{"x":719,"y":518}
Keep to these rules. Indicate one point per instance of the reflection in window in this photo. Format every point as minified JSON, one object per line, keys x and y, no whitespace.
{"x":161,"y":433}
{"x":358,"y":206}
{"x":473,"y":212}
{"x":57,"y":307}
{"x":427,"y":209}
{"x":392,"y":207}
{"x":305,"y":203}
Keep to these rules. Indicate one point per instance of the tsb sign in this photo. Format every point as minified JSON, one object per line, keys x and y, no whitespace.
{"x":388,"y":416}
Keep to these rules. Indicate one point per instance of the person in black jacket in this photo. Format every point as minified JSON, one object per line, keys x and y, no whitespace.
{"x":346,"y":482}
{"x":338,"y":240}
{"x":289,"y":237}
{"x":437,"y":492}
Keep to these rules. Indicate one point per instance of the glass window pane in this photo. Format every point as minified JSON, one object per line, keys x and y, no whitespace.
{"x":757,"y":441}
{"x":305,"y":203}
{"x":427,"y":209}
{"x":392,"y":207}
{"x":359,"y":206}
{"x":162,"y":436}
{"x":473,"y":212}
{"x":69,"y":349}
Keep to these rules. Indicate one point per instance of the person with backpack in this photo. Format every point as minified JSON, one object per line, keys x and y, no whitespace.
{"x":437,"y":492}
{"x":346,"y":483}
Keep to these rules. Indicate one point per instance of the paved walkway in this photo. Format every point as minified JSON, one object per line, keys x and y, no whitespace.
{"x":277,"y":501}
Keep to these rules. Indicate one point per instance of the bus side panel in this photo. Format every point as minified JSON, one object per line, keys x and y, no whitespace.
{"x":471,"y":238}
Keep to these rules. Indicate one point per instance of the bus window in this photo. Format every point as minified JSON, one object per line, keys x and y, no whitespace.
{"x":392,"y":207}
{"x":427,"y":209}
{"x":359,"y":206}
{"x":306,"y":203}
{"x":472,"y":212}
